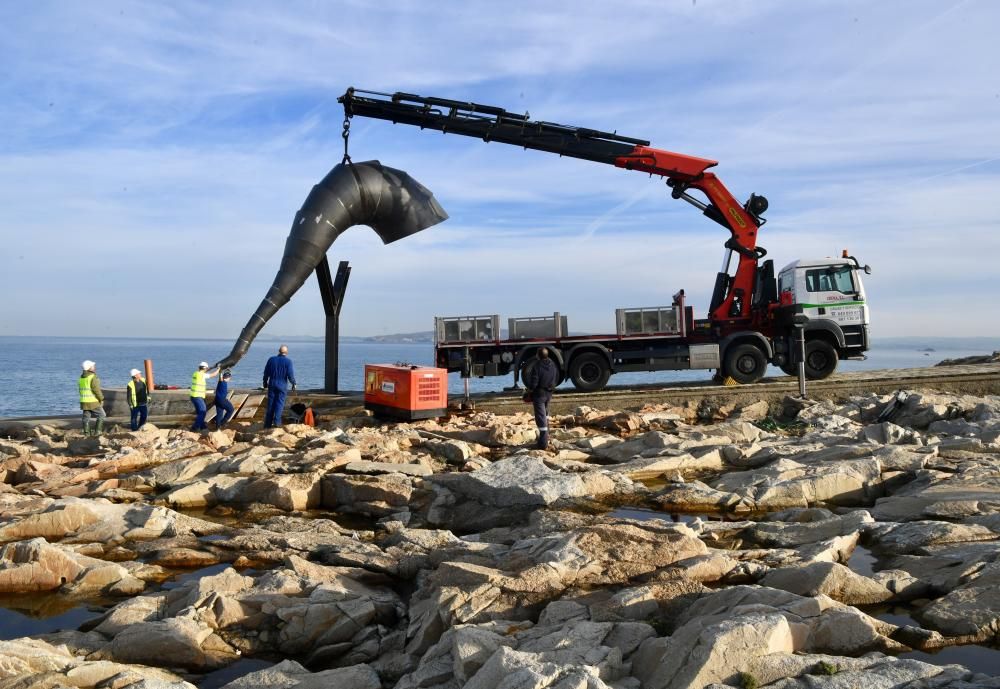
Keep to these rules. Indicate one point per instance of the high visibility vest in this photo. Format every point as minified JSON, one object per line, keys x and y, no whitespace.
{"x":198,"y":384}
{"x":86,"y":394}
{"x":132,"y":399}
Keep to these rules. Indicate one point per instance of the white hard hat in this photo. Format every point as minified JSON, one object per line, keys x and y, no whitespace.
{"x":88,"y":365}
{"x":135,"y":372}
{"x":203,"y":364}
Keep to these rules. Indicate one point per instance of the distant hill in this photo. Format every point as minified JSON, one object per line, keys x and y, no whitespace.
{"x":401,"y":338}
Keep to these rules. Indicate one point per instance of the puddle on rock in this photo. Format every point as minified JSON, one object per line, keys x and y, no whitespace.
{"x":896,"y":614}
{"x":644,"y":514}
{"x":862,"y":561}
{"x":983,"y":659}
{"x":224,"y":676}
{"x":43,"y":613}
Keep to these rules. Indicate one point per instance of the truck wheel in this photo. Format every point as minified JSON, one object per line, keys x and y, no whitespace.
{"x":745,"y":363}
{"x":821,"y":359}
{"x":589,"y":371}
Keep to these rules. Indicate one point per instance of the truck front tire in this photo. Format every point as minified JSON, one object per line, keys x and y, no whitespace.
{"x":745,"y":363}
{"x":821,"y":359}
{"x":589,"y":371}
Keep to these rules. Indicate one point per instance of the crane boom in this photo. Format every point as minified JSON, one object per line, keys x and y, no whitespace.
{"x":732,"y":297}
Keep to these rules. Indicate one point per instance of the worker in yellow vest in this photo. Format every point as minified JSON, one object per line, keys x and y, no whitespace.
{"x":198,"y":379}
{"x":137,"y":394}
{"x":91,"y":398}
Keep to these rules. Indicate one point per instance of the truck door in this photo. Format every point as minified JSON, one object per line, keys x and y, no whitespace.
{"x":833,"y":292}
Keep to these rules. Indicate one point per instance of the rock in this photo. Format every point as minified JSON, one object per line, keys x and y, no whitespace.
{"x":888,"y":434}
{"x":387,"y":468}
{"x":12,"y":448}
{"x":290,"y":675}
{"x":973,"y":609}
{"x":754,"y":411}
{"x":284,"y":491}
{"x":787,"y":483}
{"x":179,"y":640}
{"x":36,"y":664}
{"x":780,"y":533}
{"x":706,"y":651}
{"x":830,"y":579}
{"x":35,"y":565}
{"x":100,"y":521}
{"x":509,"y":434}
{"x":378,"y":495}
{"x":221,"y":439}
{"x":524,"y":482}
{"x":641,"y":469}
{"x":453,"y":451}
{"x":916,"y":536}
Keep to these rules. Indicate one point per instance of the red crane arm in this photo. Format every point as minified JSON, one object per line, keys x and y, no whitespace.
{"x":683,"y":172}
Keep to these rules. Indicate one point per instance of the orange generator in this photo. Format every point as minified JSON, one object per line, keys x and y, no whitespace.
{"x":406,"y":392}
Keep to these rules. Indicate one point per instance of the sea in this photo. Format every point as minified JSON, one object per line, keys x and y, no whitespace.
{"x":38,"y":374}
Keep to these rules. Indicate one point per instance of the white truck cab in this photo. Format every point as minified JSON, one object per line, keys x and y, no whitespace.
{"x":831,"y":294}
{"x":828,"y":288}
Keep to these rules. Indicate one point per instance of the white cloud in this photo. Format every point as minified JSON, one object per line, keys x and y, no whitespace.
{"x":169,"y":146}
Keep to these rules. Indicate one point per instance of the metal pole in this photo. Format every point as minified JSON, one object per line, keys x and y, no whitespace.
{"x":332,"y":292}
{"x":148,"y":365}
{"x":801,"y":332}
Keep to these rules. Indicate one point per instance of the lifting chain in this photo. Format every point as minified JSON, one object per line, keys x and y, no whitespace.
{"x":346,"y":134}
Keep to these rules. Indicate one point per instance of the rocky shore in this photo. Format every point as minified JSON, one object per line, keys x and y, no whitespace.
{"x":659,"y":548}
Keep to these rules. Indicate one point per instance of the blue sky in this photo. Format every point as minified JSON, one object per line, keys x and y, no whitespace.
{"x":154,"y":155}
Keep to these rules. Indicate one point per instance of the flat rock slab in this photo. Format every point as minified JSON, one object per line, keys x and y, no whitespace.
{"x":364,"y":467}
{"x":524,"y":481}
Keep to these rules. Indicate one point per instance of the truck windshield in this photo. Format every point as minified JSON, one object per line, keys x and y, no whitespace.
{"x":830,"y":279}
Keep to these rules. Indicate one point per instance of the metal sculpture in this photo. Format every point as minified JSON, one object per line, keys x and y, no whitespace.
{"x":388,"y":200}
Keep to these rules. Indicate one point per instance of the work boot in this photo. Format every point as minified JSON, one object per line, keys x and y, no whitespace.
{"x":86,"y":429}
{"x":99,"y":428}
{"x":543,"y":441}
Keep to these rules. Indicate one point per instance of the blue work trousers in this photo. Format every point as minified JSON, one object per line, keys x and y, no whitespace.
{"x":199,"y":414}
{"x":540,"y":402}
{"x":220,"y":407}
{"x":139,"y":415}
{"x":275,"y":405}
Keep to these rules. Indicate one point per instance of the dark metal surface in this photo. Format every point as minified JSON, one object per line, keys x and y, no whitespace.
{"x":389,"y":201}
{"x":332,"y":293}
{"x":490,"y":123}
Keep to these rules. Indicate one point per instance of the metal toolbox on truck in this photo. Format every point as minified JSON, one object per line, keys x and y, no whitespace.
{"x":466,"y":328}
{"x":406,"y":392}
{"x":537,"y":327}
{"x":647,"y":320}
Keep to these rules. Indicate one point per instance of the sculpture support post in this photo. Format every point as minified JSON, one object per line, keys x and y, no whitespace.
{"x":332,"y":293}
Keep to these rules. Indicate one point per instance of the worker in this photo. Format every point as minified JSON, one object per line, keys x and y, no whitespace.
{"x":137,"y":394}
{"x":198,"y":379}
{"x":222,"y":403}
{"x":541,"y":380}
{"x":91,"y":398}
{"x":278,"y":374}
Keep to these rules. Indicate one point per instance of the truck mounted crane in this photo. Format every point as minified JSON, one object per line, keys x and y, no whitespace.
{"x":753,"y":318}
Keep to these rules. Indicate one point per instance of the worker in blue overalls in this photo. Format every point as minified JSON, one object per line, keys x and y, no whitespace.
{"x":223,"y":407}
{"x":541,"y":380}
{"x":278,"y":375}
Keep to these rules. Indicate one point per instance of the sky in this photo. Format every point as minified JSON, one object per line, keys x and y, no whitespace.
{"x":154,"y":155}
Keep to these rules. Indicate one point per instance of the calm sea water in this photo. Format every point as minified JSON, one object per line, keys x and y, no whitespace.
{"x":38,"y":374}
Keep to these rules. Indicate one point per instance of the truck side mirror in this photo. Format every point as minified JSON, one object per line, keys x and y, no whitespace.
{"x":867,"y":269}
